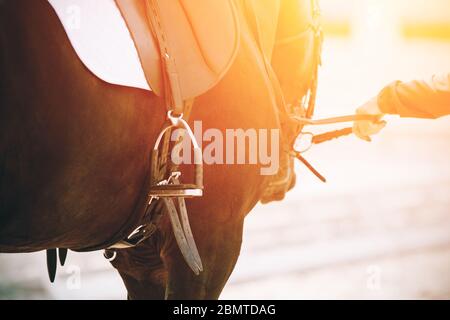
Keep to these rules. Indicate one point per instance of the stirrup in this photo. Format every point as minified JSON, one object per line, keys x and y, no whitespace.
{"x":165,"y":188}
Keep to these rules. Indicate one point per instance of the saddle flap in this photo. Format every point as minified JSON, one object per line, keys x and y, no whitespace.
{"x":134,"y":14}
{"x":203,"y":37}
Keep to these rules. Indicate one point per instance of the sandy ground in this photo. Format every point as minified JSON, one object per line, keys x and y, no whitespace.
{"x":378,"y":229}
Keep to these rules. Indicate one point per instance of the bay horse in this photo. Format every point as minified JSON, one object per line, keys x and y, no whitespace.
{"x":74,"y":151}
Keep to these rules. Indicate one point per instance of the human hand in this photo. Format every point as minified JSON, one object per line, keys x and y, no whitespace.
{"x":363,"y":129}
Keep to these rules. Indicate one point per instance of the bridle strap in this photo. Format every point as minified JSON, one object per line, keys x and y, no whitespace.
{"x":318,"y":41}
{"x":308,"y":102}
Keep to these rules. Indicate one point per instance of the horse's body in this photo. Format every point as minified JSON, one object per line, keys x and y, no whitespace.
{"x":74,"y":158}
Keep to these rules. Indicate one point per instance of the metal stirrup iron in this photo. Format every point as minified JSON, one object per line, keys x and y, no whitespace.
{"x":165,"y":189}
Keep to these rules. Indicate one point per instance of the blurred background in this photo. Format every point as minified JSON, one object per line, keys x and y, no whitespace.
{"x":380,"y":227}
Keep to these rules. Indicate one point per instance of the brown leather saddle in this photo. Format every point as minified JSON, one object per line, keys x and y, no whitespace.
{"x":203,"y":37}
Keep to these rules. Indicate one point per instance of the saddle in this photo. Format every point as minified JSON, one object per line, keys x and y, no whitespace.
{"x":202,"y":36}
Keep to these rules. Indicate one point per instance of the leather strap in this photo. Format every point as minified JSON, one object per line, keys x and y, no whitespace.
{"x":52,"y":261}
{"x":357,"y":117}
{"x":172,"y":90}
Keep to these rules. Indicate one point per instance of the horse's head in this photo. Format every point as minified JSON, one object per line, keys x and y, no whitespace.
{"x":296,"y":53}
{"x":294,"y":59}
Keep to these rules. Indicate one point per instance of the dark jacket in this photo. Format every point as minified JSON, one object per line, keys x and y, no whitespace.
{"x":417,"y":99}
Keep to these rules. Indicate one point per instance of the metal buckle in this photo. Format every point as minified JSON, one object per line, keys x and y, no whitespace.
{"x":110,"y":255}
{"x":175,"y":191}
{"x":136,"y":237}
{"x":165,"y":188}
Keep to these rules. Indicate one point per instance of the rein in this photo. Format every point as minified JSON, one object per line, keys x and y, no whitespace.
{"x":324,"y":137}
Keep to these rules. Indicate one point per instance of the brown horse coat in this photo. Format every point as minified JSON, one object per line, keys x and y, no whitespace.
{"x":74,"y":157}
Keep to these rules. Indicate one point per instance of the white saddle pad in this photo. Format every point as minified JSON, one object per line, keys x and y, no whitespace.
{"x":101,"y":39}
